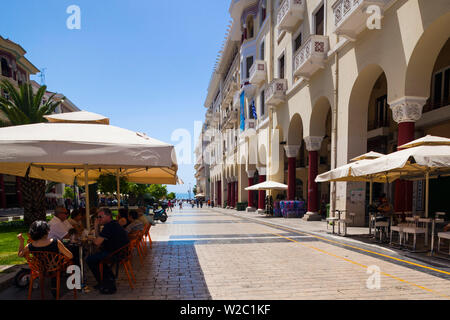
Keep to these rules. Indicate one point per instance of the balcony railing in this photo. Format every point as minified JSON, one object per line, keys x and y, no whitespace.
{"x":350,"y":17}
{"x":216,"y":117}
{"x":290,"y":13}
{"x":276,"y":92}
{"x":311,"y":56}
{"x":231,"y":80}
{"x":258,"y":72}
{"x":230,"y":119}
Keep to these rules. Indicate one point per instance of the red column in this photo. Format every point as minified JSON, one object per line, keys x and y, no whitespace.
{"x":232,"y":194}
{"x":19,"y":190}
{"x":2,"y":193}
{"x":404,"y":189}
{"x":312,"y":185}
{"x":236,"y":198}
{"x":261,"y":193}
{"x":250,"y":193}
{"x":291,"y":178}
{"x":229,"y":194}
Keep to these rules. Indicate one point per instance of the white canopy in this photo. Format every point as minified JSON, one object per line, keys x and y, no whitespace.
{"x":200,"y":195}
{"x":62,"y":151}
{"x":344,"y":173}
{"x":426,"y":141}
{"x":267,"y":185}
{"x":78,"y":117}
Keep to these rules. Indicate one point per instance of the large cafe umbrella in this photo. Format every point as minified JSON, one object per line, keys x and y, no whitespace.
{"x":63,"y":152}
{"x":267,"y":185}
{"x":427,"y":157}
{"x":345,"y":173}
{"x":78,"y":117}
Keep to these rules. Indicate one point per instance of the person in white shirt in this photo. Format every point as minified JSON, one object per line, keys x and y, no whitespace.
{"x":60,"y":227}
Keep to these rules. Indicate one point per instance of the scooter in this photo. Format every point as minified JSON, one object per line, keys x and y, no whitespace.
{"x":160,"y":214}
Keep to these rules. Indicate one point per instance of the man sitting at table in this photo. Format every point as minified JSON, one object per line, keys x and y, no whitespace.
{"x":60,"y":227}
{"x":111,"y":238}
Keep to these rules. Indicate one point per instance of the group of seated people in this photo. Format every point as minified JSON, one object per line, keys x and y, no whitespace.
{"x":110,"y":235}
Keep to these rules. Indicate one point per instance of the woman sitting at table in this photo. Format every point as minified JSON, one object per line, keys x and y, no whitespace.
{"x":76,"y":220}
{"x":39,"y":242}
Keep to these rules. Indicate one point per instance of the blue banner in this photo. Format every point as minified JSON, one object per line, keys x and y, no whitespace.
{"x":242,"y":102}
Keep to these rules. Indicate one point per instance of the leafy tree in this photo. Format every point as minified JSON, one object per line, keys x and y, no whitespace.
{"x":171,"y":196}
{"x":136,"y":192}
{"x":157,"y":191}
{"x":68,"y":193}
{"x":108,"y":183}
{"x":194,"y":190}
{"x":25,"y":107}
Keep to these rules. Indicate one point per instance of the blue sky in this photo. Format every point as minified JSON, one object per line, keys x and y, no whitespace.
{"x":144,"y":63}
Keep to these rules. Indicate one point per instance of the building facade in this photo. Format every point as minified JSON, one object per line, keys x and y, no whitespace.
{"x":303,"y":86}
{"x":17,"y":69}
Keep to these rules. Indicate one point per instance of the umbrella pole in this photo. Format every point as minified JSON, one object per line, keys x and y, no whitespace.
{"x":86,"y":191}
{"x":371,"y":191}
{"x":118,"y":190}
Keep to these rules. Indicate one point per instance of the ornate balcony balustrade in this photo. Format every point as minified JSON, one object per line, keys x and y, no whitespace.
{"x":350,"y":17}
{"x":276,"y":92}
{"x":230,"y":119}
{"x":258,"y":72}
{"x":311,"y":56}
{"x":290,"y":13}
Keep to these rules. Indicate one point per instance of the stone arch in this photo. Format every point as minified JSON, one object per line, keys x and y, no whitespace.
{"x":262,"y":155}
{"x":317,"y":122}
{"x":358,"y":109}
{"x":425,"y":53}
{"x":295,"y":131}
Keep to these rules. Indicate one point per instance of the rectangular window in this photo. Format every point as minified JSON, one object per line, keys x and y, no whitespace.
{"x":437,"y":89}
{"x":319,"y":21}
{"x":262,"y":98}
{"x":281,"y":67}
{"x":261,"y":51}
{"x":297,"y":42}
{"x":381,"y":115}
{"x":249,"y":65}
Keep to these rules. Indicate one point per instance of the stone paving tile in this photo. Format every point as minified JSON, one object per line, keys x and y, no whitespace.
{"x":293,"y":269}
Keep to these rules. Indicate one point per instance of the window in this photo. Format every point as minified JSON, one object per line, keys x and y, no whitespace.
{"x":262,"y":103}
{"x":249,"y":62}
{"x":262,"y":13}
{"x":298,"y":42}
{"x":381,"y":112}
{"x":261,"y":51}
{"x":441,"y":88}
{"x":319,"y":21}
{"x":281,"y":67}
{"x":6,"y":70}
{"x":250,"y":27}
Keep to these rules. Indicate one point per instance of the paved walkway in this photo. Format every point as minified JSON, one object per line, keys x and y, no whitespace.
{"x":222,"y":254}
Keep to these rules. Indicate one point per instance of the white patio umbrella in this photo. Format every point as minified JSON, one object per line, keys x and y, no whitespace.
{"x":344,"y":173}
{"x":78,"y":117}
{"x":200,"y":195}
{"x":424,"y":157}
{"x":61,"y":152}
{"x":267,"y":185}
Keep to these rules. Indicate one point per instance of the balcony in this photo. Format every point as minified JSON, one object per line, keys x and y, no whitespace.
{"x":230,"y":119}
{"x":290,"y":13}
{"x":276,"y":92}
{"x":258,"y":72}
{"x":230,"y":84}
{"x":209,"y":115}
{"x":216,"y":117}
{"x":311,"y":56}
{"x":250,"y":127}
{"x":350,"y":16}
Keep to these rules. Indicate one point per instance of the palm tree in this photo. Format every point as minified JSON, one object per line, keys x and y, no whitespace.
{"x":22,"y":107}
